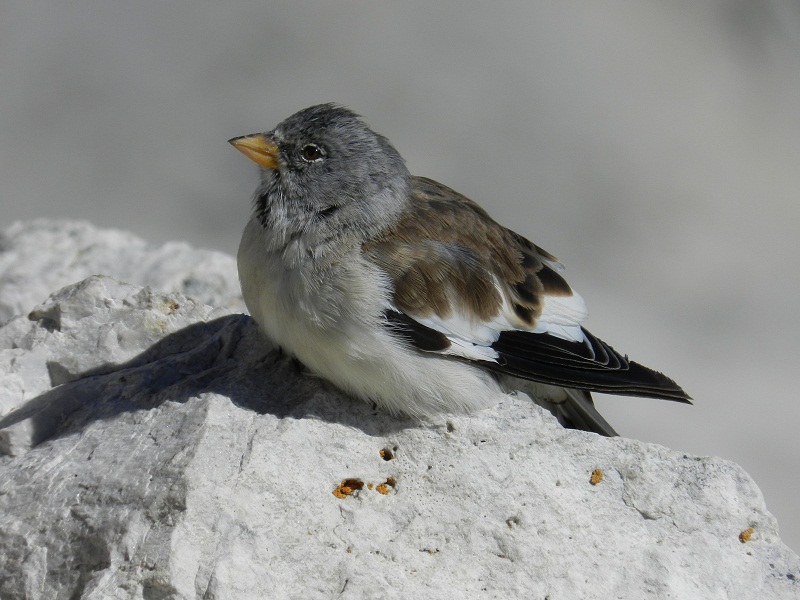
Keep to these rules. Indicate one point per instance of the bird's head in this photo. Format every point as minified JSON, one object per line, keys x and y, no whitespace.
{"x":325,"y":160}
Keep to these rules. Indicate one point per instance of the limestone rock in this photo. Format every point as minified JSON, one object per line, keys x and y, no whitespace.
{"x":41,"y":256}
{"x":153,"y":447}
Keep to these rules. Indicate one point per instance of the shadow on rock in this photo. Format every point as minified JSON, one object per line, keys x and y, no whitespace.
{"x":227,"y":356}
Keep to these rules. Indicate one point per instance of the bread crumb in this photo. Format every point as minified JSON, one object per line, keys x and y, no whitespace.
{"x":348,"y":487}
{"x":597,"y":477}
{"x":385,"y":488}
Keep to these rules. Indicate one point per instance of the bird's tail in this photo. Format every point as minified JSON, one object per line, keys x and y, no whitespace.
{"x":573,"y":408}
{"x":579,"y":412}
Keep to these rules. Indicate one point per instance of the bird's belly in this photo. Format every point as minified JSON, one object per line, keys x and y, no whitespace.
{"x":321,"y":316}
{"x":332,"y":321}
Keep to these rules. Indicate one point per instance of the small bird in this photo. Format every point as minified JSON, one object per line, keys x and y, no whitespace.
{"x":402,"y":291}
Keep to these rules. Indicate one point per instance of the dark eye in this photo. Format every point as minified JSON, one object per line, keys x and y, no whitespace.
{"x":312,"y":153}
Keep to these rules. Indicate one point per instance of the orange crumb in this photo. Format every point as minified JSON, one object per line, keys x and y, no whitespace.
{"x":386,"y":487}
{"x":597,"y":477}
{"x":744,"y":537}
{"x":347,"y":487}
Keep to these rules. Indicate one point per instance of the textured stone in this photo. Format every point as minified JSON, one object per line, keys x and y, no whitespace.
{"x":41,"y":256}
{"x":154,"y":447}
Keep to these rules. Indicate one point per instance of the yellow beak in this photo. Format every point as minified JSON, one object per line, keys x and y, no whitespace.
{"x":258,"y":148}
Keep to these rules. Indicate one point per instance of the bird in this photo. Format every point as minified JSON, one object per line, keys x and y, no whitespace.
{"x":403,"y":292}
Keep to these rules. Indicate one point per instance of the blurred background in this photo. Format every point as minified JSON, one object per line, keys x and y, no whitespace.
{"x":654,"y":147}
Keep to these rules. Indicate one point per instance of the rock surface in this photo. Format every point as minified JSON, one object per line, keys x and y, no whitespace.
{"x":41,"y":256}
{"x":154,"y":447}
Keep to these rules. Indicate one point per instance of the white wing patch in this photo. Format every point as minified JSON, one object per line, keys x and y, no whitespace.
{"x":562,"y":317}
{"x":470,"y":338}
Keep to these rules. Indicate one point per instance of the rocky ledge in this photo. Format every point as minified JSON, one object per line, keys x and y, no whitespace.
{"x":154,"y":447}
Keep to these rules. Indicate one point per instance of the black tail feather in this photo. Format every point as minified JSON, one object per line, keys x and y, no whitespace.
{"x":593,"y":366}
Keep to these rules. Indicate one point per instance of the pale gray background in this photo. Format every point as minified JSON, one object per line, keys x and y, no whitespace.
{"x":653,"y":146}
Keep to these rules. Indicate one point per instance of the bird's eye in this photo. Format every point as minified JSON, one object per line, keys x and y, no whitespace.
{"x":312,"y":153}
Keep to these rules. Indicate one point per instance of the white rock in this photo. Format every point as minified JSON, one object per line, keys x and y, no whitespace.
{"x":41,"y":256}
{"x":158,"y":448}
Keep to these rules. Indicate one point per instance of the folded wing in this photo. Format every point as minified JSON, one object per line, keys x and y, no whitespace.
{"x":466,"y":287}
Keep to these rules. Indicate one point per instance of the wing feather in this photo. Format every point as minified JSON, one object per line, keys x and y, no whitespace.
{"x":466,"y":287}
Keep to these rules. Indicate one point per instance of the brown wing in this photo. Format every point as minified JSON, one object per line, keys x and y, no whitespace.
{"x":447,"y":257}
{"x":447,"y":254}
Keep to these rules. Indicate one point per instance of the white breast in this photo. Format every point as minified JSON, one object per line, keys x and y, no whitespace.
{"x":331,"y":320}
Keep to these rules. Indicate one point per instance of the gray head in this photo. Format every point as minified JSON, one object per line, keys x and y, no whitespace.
{"x":323,"y":166}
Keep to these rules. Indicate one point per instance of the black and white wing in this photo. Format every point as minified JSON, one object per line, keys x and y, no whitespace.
{"x":468,"y":288}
